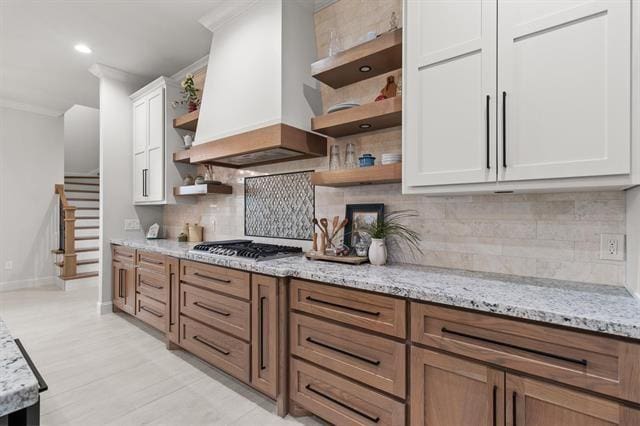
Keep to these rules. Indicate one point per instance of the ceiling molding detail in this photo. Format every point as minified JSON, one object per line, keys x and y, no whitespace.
{"x":224,"y":12}
{"x":321,"y":4}
{"x":191,"y":68}
{"x":105,"y":71}
{"x":20,"y":106}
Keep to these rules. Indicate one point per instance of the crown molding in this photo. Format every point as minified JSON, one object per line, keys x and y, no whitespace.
{"x":191,"y":68}
{"x":223,"y":12}
{"x":36,"y":109}
{"x":105,"y":71}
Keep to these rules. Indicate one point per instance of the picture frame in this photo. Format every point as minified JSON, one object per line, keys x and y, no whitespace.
{"x":358,"y":215}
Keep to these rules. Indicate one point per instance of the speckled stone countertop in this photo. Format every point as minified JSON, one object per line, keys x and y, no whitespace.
{"x":18,"y":385}
{"x":601,"y":308}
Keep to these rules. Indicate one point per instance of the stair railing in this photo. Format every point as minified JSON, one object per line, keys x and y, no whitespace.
{"x":67,"y":234}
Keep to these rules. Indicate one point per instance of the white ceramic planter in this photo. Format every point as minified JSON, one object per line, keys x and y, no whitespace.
{"x":377,"y":252}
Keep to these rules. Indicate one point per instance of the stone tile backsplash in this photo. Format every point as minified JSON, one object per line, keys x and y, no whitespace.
{"x":541,"y":235}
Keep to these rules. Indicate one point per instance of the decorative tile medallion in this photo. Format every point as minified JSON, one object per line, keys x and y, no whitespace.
{"x":279,"y":206}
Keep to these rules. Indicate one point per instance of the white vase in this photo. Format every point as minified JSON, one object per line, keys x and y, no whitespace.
{"x":377,"y":251}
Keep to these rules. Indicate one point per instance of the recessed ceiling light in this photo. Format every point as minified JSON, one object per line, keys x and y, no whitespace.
{"x":82,"y":48}
{"x":365,"y":126}
{"x":365,"y":68}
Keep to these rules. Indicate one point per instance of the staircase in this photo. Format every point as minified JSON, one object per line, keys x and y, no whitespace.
{"x":79,"y":231}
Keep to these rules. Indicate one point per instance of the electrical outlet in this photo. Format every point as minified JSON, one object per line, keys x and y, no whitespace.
{"x":131,"y":224}
{"x":8,"y":265}
{"x":612,"y":246}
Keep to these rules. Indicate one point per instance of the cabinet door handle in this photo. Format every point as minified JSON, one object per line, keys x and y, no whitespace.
{"x":487,"y":129}
{"x":514,"y":411}
{"x":337,"y":305}
{"x":342,"y":404}
{"x":504,"y":129}
{"x":342,"y":351}
{"x":157,"y":287}
{"x":261,"y":332}
{"x":171,"y":284}
{"x":121,"y":283}
{"x":211,"y":309}
{"x":211,"y":345}
{"x":144,"y":183}
{"x":495,"y":414}
{"x":220,"y":280}
{"x":151,"y":311}
{"x":520,"y":348}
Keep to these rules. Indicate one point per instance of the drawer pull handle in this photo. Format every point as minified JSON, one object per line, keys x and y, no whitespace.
{"x":155,"y":262}
{"x":342,"y":351}
{"x":211,"y":309}
{"x":151,"y":311}
{"x":124,"y":254}
{"x":211,"y":345}
{"x":520,"y":348}
{"x":220,"y":280}
{"x":157,"y":287}
{"x":362,"y":311}
{"x":342,"y":404}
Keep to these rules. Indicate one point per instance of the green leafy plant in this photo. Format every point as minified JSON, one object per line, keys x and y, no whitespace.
{"x":390,"y":226}
{"x":189,"y":92}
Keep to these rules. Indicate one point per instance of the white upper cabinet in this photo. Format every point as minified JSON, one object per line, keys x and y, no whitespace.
{"x":450,"y":79}
{"x":564,"y":72}
{"x":154,"y":141}
{"x":517,"y":95}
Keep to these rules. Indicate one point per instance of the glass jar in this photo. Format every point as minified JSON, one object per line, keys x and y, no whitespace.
{"x":334,"y":158}
{"x":350,"y":158}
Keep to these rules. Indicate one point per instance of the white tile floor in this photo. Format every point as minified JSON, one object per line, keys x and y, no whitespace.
{"x":114,"y":370}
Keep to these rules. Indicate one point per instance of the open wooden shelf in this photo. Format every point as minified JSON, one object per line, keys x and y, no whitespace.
{"x":202,"y":189}
{"x":187,"y":121}
{"x":383,"y":54}
{"x":390,"y":173}
{"x":183,"y":156}
{"x":365,"y":118}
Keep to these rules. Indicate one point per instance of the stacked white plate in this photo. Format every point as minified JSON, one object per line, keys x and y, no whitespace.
{"x":391,"y":158}
{"x":341,"y":106}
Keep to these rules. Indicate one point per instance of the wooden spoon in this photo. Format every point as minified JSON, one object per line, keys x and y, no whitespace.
{"x":325,"y":228}
{"x":342,"y":225}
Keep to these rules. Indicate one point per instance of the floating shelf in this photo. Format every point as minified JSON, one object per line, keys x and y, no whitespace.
{"x":187,"y":121}
{"x":390,"y":173}
{"x":183,"y":156}
{"x":380,"y":55}
{"x":365,"y":118}
{"x":202,"y":189}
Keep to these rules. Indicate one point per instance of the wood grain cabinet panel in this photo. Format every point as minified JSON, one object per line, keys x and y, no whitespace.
{"x":123,"y":279}
{"x":123,"y":254}
{"x":151,"y":311}
{"x":152,"y":285}
{"x":341,"y":401}
{"x":373,"y":360}
{"x":172,"y":326}
{"x":264,"y":314}
{"x":374,"y":312}
{"x":154,"y":262}
{"x":223,"y":280}
{"x":222,"y":350}
{"x":530,"y":402}
{"x":597,"y":363}
{"x":224,"y":313}
{"x":448,"y":391}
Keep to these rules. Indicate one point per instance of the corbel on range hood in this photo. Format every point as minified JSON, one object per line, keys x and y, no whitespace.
{"x":259,"y":95}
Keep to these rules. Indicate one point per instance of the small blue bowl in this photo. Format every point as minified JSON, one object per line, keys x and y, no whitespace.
{"x":367,"y":160}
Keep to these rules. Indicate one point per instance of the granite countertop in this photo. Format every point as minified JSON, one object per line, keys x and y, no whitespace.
{"x":18,"y":385}
{"x":600,"y":308}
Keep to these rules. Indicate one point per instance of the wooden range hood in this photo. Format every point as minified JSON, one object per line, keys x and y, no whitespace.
{"x":267,"y":145}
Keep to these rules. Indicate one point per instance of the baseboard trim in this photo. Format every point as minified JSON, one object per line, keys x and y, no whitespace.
{"x":105,"y":308}
{"x":30,"y":283}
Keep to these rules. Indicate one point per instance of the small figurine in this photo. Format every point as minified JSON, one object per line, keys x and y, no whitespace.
{"x":388,"y":91}
{"x":393,"y":22}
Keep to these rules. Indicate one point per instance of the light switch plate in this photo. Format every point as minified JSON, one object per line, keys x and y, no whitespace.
{"x":612,"y":246}
{"x":131,"y":224}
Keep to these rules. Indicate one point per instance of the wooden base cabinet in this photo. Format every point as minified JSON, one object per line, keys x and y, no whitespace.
{"x":173,"y":303}
{"x":264,"y":339}
{"x":123,"y":279}
{"x":448,"y":391}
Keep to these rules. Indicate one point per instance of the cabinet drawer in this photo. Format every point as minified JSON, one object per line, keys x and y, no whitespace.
{"x":123,"y":254}
{"x":152,"y":285}
{"x":151,"y":311}
{"x":223,"y":280}
{"x":222,"y":312}
{"x":341,"y":401}
{"x":371,"y":311}
{"x":370,"y":359}
{"x":151,"y":261}
{"x":597,"y":363}
{"x":221,"y":350}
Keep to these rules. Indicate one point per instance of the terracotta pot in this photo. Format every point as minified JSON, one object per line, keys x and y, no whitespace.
{"x":378,"y":251}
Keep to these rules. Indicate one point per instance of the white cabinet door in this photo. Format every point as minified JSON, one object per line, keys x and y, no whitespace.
{"x":155,"y":174}
{"x":564,"y":73}
{"x":140,"y":168}
{"x":140,"y":142}
{"x":449,"y":90}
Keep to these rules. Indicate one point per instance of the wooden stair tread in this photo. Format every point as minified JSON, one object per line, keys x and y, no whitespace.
{"x":87,"y":227}
{"x":87,"y":238}
{"x":81,"y":183}
{"x":82,"y":177}
{"x":87,"y":217}
{"x":85,"y":191}
{"x":80,"y":262}
{"x":83,"y":199}
{"x":87,"y":249}
{"x":80,"y":275}
{"x":87,"y":208}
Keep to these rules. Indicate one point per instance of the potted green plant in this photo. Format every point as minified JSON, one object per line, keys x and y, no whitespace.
{"x":189,"y":94}
{"x":388,"y":227}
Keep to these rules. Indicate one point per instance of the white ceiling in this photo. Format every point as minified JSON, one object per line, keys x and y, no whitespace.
{"x":39,"y":66}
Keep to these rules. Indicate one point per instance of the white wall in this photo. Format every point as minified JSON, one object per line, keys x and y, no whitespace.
{"x":81,"y":140}
{"x":632,"y":273}
{"x":116,"y":203}
{"x":31,"y":163}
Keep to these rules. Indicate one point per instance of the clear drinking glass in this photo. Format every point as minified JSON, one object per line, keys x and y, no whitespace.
{"x":334,"y":158}
{"x":350,"y":158}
